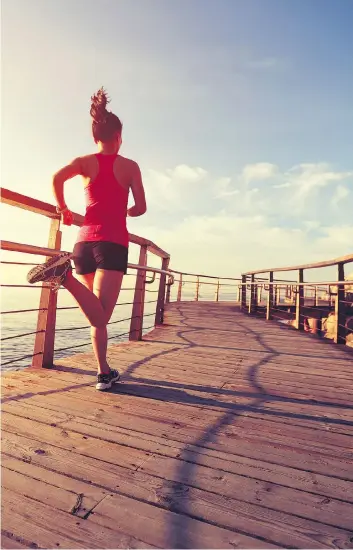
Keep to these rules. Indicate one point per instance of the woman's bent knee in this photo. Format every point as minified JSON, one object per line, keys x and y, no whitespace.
{"x":99,"y":323}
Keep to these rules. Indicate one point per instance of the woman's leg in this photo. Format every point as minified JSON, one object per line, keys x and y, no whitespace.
{"x":89,"y":304}
{"x":106,"y":287}
{"x":97,"y":294}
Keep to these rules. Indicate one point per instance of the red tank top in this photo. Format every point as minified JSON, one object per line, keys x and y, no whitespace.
{"x":106,"y":206}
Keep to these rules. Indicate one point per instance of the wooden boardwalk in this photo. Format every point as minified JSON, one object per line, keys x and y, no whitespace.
{"x":226,"y":432}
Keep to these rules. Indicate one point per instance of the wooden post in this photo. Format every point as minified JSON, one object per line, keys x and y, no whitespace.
{"x":167,"y":298}
{"x":197,"y":289}
{"x":299,"y":319}
{"x":340,"y":331}
{"x":243,"y":292}
{"x":270,"y":298}
{"x":259,"y":294}
{"x":316,"y":296}
{"x":161,"y":294}
{"x":217,"y":292}
{"x":44,"y":341}
{"x":274,"y":295}
{"x":278,"y":294}
{"x":136,"y":323}
{"x":239,"y":294}
{"x":180,"y":288}
{"x":253,"y":296}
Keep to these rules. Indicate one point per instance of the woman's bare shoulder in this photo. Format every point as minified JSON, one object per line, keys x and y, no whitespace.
{"x":87,"y":158}
{"x":129,"y":163}
{"x":130,"y":168}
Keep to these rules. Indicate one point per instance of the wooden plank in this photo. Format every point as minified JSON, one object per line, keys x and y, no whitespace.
{"x":10,"y":542}
{"x":263,"y":522}
{"x":242,"y":388}
{"x":255,"y":468}
{"x":154,"y":422}
{"x":217,"y":397}
{"x":294,"y":410}
{"x":186,"y":414}
{"x":313,"y":507}
{"x":49,"y":528}
{"x":49,"y":487}
{"x":126,"y":456}
{"x":246,"y":427}
{"x":184,"y":408}
{"x":249,"y":487}
{"x":56,"y":497}
{"x":165,"y":529}
{"x":250,"y":437}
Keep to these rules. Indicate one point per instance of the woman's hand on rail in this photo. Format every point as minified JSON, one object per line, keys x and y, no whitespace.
{"x":67,"y":217}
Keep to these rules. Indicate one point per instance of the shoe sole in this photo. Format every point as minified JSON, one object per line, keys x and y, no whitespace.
{"x":38,"y":273}
{"x":104,"y":387}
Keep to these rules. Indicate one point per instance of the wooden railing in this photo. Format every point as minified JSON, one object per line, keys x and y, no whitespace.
{"x":328,"y":299}
{"x":43,"y":353}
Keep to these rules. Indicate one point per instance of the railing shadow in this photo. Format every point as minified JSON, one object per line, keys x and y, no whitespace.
{"x":180,"y":535}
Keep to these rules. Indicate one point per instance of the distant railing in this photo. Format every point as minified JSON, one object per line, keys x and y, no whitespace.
{"x":324,"y":308}
{"x":183,"y":280}
{"x":43,"y":353}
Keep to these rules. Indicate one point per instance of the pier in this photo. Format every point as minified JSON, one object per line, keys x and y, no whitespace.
{"x":228,"y":429}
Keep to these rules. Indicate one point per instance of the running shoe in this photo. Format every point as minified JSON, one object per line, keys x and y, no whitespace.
{"x":53,"y":271}
{"x":105,"y":381}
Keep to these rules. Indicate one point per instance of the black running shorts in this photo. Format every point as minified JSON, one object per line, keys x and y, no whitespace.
{"x":88,"y":256}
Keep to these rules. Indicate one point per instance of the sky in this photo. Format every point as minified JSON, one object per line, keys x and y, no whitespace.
{"x":239,"y":113}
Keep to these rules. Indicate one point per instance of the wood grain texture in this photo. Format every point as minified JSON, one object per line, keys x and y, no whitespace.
{"x":224,"y":432}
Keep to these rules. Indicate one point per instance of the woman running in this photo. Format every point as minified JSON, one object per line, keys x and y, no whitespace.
{"x":100,"y":254}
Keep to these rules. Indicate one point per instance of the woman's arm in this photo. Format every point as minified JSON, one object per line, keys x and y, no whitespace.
{"x":70,"y":171}
{"x":138,"y":192}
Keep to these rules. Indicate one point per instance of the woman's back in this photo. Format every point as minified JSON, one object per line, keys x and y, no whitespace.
{"x":107,"y":181}
{"x":123,"y":169}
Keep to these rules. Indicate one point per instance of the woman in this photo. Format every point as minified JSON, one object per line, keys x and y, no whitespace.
{"x":100,"y":254}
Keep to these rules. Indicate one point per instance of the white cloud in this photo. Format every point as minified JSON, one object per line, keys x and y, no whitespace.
{"x":282,"y":185}
{"x":259,"y":188}
{"x":225,"y":226}
{"x":226,"y":245}
{"x":310,"y":176}
{"x":259,"y":171}
{"x":340,"y":194}
{"x":187,"y":173}
{"x":185,"y":188}
{"x":222,"y":225}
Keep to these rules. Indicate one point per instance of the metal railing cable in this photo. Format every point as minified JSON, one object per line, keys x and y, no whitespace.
{"x":23,"y":310}
{"x":64,"y":329}
{"x":20,"y":335}
{"x":21,"y":358}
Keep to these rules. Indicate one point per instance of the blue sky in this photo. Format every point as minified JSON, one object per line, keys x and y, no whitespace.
{"x":238,"y":111}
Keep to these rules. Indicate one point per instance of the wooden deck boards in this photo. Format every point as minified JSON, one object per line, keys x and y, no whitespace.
{"x":225,"y":432}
